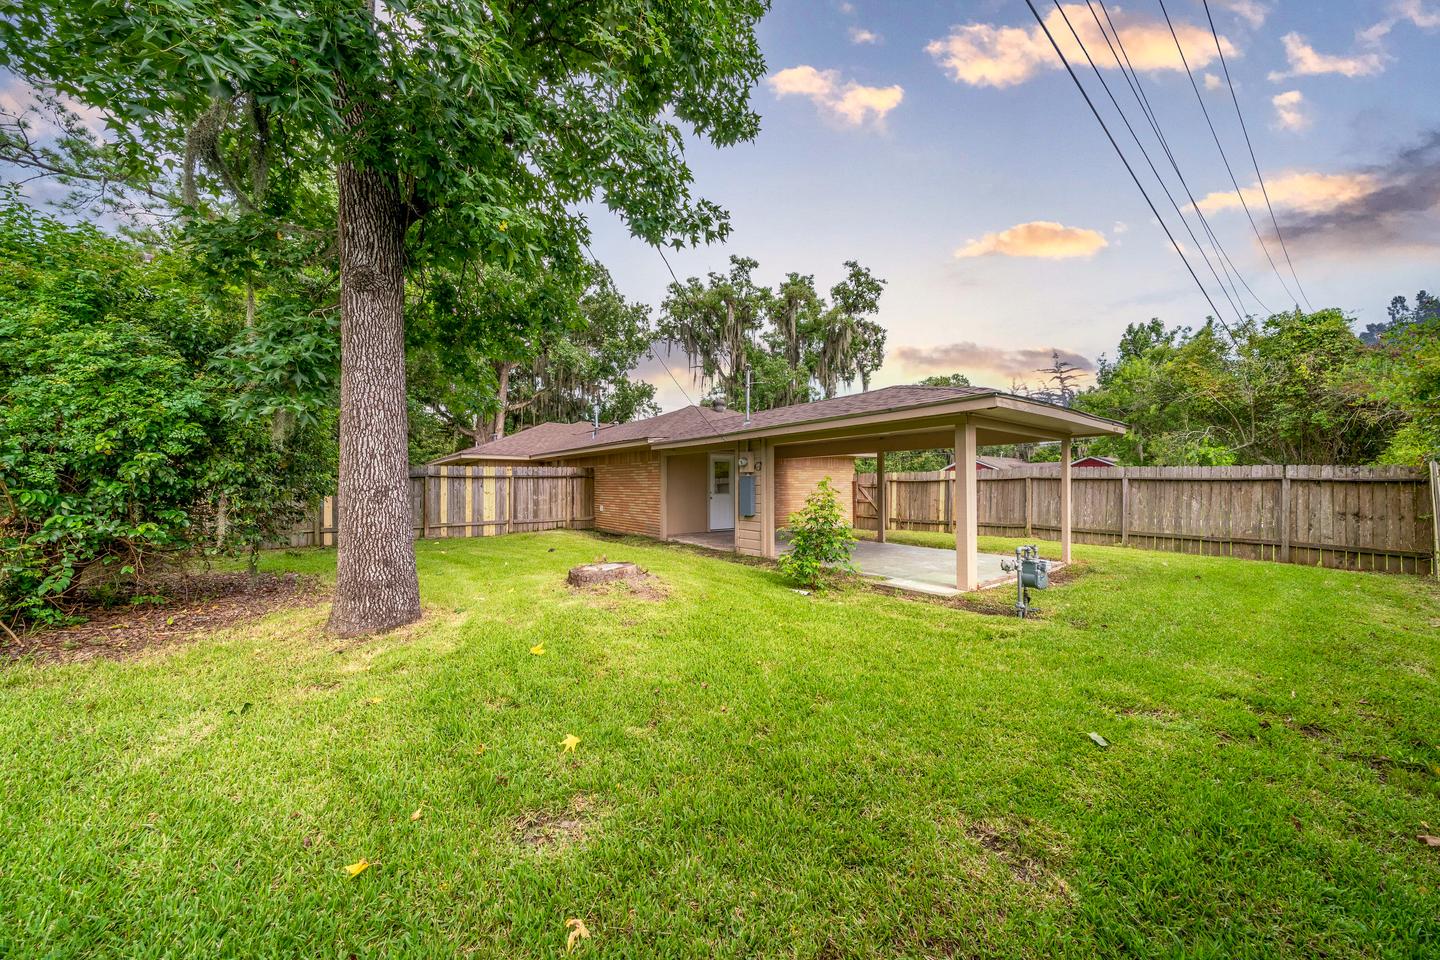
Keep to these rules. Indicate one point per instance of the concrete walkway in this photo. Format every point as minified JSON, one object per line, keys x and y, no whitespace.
{"x":899,"y":565}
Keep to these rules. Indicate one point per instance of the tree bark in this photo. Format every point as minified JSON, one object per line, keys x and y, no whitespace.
{"x":502,"y":395}
{"x":376,"y":587}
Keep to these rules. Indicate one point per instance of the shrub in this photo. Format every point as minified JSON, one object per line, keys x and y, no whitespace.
{"x":820,"y":540}
{"x":120,"y":439}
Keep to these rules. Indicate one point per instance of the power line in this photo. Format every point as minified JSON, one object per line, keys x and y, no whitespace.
{"x":1137,"y":88}
{"x":1239,"y":316}
{"x":1225,"y":159}
{"x":1121,"y":154}
{"x":1256,"y":163}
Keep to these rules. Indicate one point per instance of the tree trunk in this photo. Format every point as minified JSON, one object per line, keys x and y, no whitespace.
{"x":502,"y":399}
{"x":375,"y":583}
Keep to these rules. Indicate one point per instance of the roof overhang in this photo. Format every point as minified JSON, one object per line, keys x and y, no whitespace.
{"x":998,"y":417}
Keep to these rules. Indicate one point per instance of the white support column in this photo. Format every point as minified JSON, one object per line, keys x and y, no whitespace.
{"x":1065,"y":458}
{"x":882,"y":502}
{"x":967,"y":512}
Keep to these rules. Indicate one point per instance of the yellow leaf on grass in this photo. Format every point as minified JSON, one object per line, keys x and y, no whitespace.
{"x":570,"y":742}
{"x":578,"y":931}
{"x":417,"y":814}
{"x":538,"y":649}
{"x":358,"y":867}
{"x":374,"y":700}
{"x":480,"y":749}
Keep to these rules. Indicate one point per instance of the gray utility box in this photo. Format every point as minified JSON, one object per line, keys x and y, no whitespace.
{"x":747,"y":494}
{"x":1034,"y":572}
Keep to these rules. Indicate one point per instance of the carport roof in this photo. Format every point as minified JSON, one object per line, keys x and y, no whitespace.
{"x":694,"y":425}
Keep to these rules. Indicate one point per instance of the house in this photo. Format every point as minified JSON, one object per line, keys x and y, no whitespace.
{"x":735,"y":478}
{"x":987,"y":462}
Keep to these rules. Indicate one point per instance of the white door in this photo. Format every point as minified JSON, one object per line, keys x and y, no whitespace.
{"x":722,"y":492}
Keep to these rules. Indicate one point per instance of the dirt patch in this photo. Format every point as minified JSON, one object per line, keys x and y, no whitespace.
{"x":646,"y":587}
{"x":1009,"y":845}
{"x":187,"y":605}
{"x":545,"y":831}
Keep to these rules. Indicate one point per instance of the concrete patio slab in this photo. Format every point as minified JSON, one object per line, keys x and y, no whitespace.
{"x":899,"y":565}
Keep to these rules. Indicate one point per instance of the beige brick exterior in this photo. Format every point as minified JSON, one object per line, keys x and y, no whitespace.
{"x":627,"y":492}
{"x":796,"y":479}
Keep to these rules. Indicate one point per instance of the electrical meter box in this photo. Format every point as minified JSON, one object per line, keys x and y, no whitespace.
{"x":747,"y":494}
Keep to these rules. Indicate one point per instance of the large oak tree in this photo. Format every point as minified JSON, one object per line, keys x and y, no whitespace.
{"x":453,"y":132}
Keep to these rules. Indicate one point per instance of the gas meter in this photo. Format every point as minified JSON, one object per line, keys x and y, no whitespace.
{"x":1030,"y":571}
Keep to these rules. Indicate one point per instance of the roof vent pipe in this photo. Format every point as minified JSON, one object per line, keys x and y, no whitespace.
{"x":747,"y":398}
{"x":595,"y":423}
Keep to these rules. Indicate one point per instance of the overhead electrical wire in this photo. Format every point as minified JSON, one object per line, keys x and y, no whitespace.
{"x":1124,"y":160}
{"x":1256,"y":163}
{"x":1137,"y":88}
{"x":1239,"y":314}
{"x":1223,"y":157}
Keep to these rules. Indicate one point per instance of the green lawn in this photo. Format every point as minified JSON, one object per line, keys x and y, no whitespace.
{"x":759,"y":773}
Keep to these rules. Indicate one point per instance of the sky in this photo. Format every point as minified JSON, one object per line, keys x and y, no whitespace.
{"x":943,"y":146}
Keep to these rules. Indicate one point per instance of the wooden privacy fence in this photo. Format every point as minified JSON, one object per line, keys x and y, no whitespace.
{"x":473,"y":501}
{"x":1358,"y":518}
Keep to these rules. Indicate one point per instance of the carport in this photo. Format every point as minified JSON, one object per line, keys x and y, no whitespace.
{"x":888,"y":420}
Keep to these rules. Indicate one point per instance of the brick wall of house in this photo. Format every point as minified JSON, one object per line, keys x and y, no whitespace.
{"x":627,"y":492}
{"x":796,"y":479}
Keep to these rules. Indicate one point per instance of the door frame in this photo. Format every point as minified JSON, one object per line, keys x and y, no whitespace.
{"x":710,"y":491}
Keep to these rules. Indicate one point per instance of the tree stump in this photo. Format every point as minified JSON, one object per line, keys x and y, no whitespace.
{"x":589,"y":574}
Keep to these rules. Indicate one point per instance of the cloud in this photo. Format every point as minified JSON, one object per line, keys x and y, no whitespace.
{"x":1305,"y":192}
{"x":1414,"y":11}
{"x":990,"y":55}
{"x":849,"y":103}
{"x":1289,"y":112}
{"x":859,"y":35}
{"x":1306,"y":61}
{"x":999,"y":365}
{"x":1044,"y":239}
{"x":1251,"y":12}
{"x":1398,"y":211}
{"x":1213,"y":82}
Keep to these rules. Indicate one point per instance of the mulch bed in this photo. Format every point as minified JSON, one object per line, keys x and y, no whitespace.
{"x":195,"y":604}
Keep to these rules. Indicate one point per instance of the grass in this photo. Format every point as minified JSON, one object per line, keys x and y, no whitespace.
{"x":759,"y":773}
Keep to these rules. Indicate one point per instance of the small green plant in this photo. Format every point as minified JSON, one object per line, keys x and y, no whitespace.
{"x":820,"y":540}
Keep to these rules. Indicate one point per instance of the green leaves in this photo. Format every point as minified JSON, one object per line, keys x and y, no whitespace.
{"x":820,"y":540}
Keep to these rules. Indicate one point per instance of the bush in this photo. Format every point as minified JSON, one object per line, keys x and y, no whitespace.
{"x":121,"y":439}
{"x":820,"y":540}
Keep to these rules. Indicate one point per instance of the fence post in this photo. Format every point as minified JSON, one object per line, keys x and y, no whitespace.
{"x":1029,"y":501}
{"x":510,"y":500}
{"x":1285,"y":514}
{"x":1124,"y":508}
{"x":425,"y":503}
{"x":1435,"y":516}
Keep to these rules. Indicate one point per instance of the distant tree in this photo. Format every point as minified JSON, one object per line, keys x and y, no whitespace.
{"x":715,"y":322}
{"x":946,"y":380}
{"x":790,"y":340}
{"x":1294,"y":388}
{"x":1406,"y":363}
{"x":1061,"y":378}
{"x":852,"y":346}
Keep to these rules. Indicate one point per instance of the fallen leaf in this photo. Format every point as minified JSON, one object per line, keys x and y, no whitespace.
{"x":480,"y":749}
{"x":1428,"y":840}
{"x":374,"y":700}
{"x":570,"y":743}
{"x":578,"y":931}
{"x":538,"y":649}
{"x":358,"y":867}
{"x":1099,"y":741}
{"x":419,"y":811}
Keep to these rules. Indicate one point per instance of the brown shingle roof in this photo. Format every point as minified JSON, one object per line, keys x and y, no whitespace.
{"x":698,"y":423}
